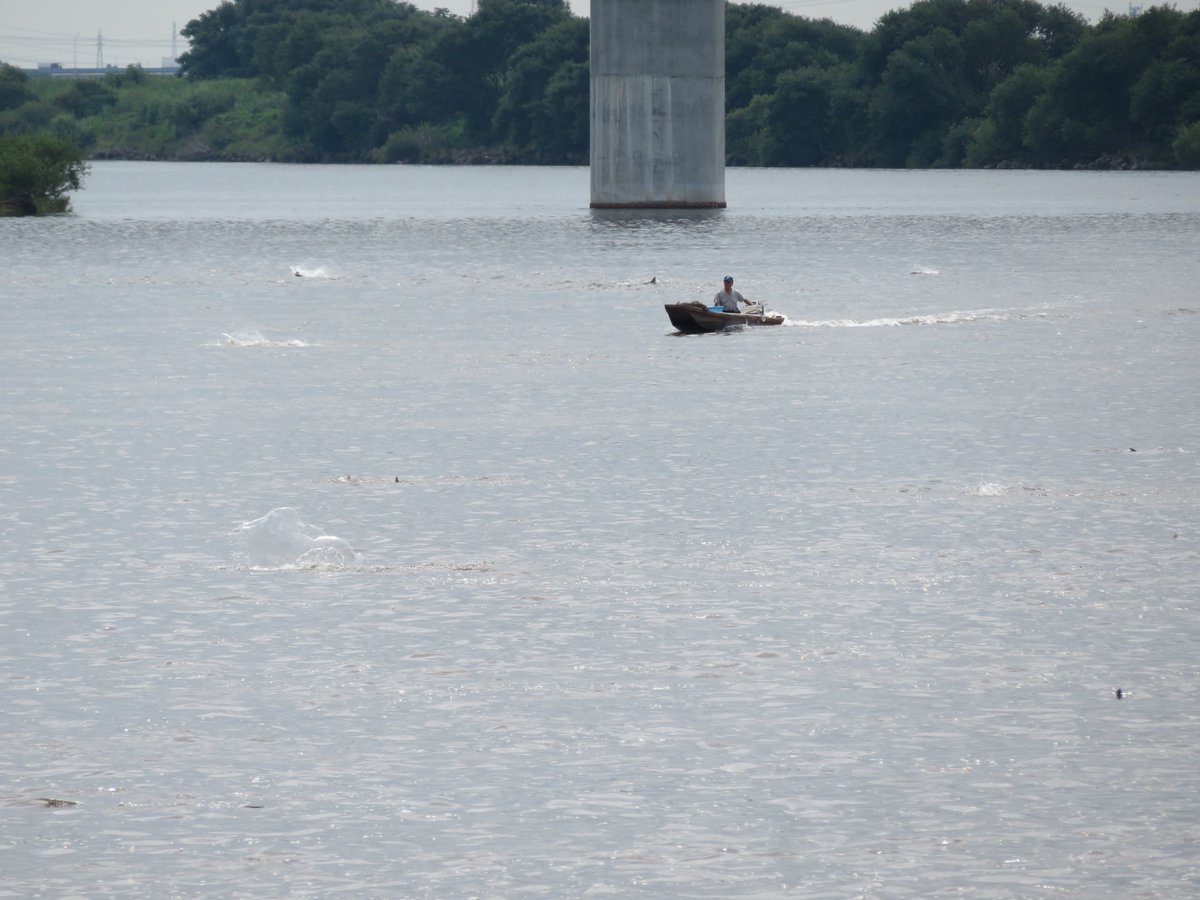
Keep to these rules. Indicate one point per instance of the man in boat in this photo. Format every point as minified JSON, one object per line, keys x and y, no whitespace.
{"x":728,"y":298}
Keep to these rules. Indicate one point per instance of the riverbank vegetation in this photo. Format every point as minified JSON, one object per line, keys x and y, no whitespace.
{"x":36,"y":172}
{"x":941,"y":83}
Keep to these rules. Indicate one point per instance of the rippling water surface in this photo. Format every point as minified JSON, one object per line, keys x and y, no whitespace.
{"x":369,"y":531}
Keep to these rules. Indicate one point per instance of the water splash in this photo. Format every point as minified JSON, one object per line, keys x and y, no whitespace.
{"x":305,"y":272}
{"x":255,"y":339}
{"x":280,"y":539}
{"x":990,"y":489}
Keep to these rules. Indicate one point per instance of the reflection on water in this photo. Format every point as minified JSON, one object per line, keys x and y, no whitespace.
{"x":656,"y":221}
{"x":833,"y":609}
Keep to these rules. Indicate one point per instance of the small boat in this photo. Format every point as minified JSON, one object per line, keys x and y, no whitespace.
{"x":696,"y":318}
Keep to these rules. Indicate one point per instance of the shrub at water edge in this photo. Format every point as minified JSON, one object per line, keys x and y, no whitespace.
{"x":36,"y":172}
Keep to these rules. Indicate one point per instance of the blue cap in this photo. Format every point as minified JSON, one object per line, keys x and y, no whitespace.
{"x":729,"y":278}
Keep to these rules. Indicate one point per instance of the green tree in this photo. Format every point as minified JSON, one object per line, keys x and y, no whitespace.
{"x":417,"y":89}
{"x":995,"y":40}
{"x":743,"y":133}
{"x":477,"y":58}
{"x":1186,"y":146}
{"x":800,"y":113}
{"x":243,"y":38}
{"x":36,"y":172}
{"x":565,"y":104}
{"x":543,"y":108}
{"x":939,"y":83}
{"x":14,"y":87}
{"x":999,"y":136}
{"x":921,"y":93}
{"x":762,"y":43}
{"x":331,"y":103}
{"x":1166,"y":96}
{"x":788,"y":88}
{"x":218,"y":44}
{"x":1113,"y":94}
{"x":933,"y":67}
{"x":86,"y":97}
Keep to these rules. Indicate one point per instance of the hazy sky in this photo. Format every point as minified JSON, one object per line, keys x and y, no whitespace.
{"x":139,"y":31}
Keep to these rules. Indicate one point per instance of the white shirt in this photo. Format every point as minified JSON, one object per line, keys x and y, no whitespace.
{"x":729,"y":299}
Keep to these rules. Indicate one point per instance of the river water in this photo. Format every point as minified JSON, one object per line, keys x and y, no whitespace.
{"x":369,"y":531}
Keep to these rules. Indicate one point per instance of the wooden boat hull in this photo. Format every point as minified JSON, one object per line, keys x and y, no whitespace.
{"x":694,"y":319}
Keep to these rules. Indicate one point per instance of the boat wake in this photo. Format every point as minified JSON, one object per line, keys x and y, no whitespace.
{"x":426,"y":568}
{"x":951,"y":318}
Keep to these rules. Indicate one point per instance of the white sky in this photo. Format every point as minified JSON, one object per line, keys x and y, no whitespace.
{"x":139,"y":31}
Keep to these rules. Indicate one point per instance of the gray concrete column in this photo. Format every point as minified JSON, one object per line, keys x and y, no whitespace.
{"x":658,"y":103}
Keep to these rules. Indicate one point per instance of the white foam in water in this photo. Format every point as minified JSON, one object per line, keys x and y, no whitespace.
{"x":305,"y":272}
{"x":255,"y":339}
{"x":988,"y":489}
{"x":951,"y":318}
{"x":280,"y":539}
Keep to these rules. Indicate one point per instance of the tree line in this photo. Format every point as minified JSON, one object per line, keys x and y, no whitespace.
{"x":941,"y":83}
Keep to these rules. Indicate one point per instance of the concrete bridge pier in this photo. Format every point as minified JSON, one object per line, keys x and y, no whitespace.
{"x":658,"y":104}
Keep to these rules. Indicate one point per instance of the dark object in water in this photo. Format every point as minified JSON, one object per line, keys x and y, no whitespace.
{"x":54,"y":802}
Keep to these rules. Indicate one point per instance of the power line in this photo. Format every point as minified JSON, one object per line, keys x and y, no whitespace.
{"x":37,"y":31}
{"x":27,"y":45}
{"x":50,"y":37}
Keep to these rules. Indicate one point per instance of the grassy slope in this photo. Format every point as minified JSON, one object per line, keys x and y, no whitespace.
{"x":161,"y":117}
